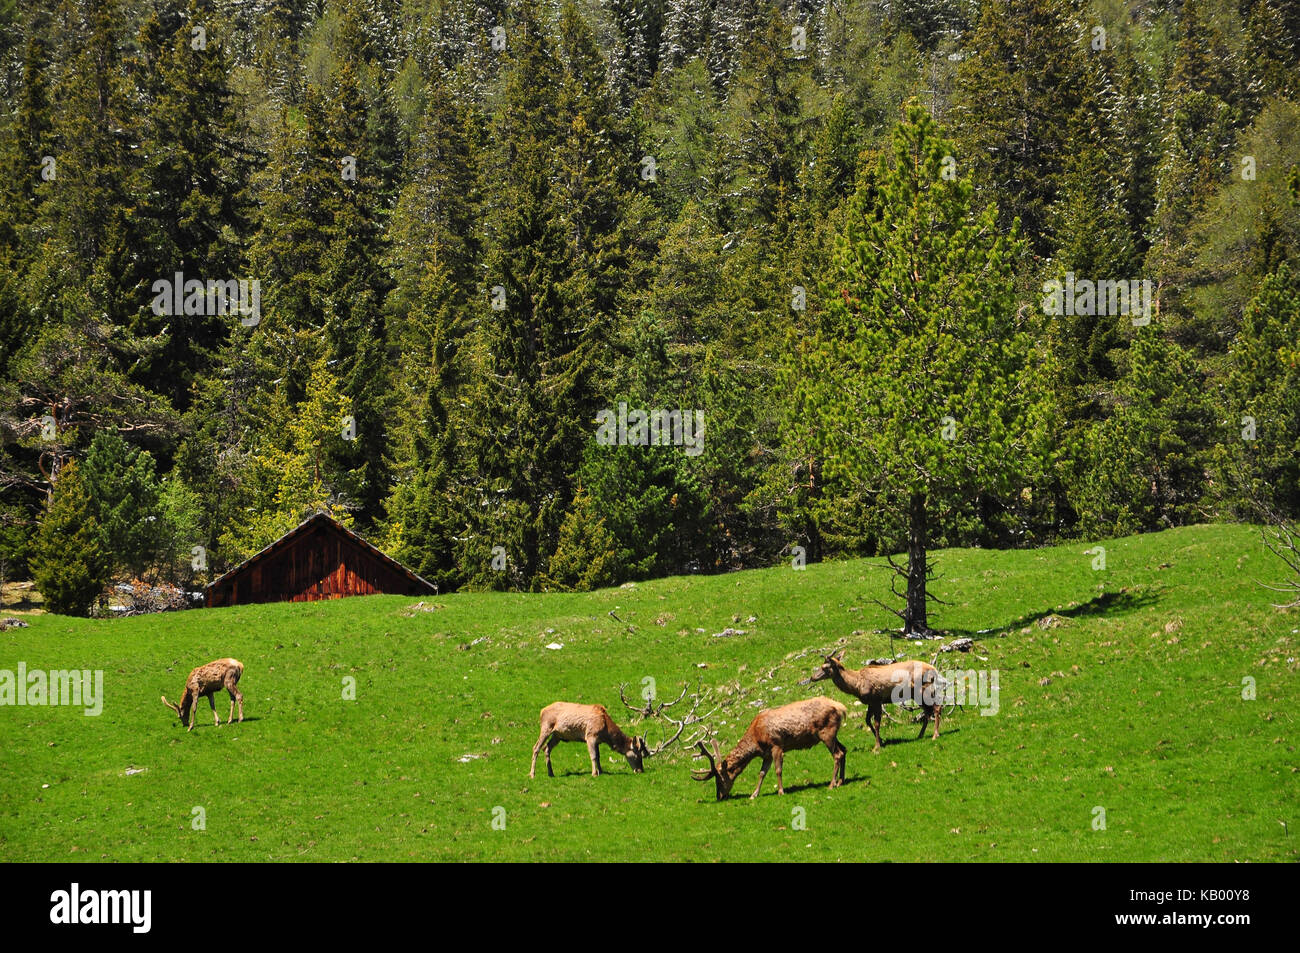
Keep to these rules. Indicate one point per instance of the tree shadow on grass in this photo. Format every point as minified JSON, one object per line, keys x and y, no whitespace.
{"x":1121,"y":602}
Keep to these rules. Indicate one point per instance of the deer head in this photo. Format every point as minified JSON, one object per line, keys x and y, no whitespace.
{"x":718,"y":770}
{"x":183,"y":709}
{"x":637,"y":753}
{"x":829,"y":667}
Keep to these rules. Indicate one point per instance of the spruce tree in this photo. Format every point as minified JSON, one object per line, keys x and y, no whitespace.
{"x":193,"y":205}
{"x":125,"y":498}
{"x":1260,"y":459}
{"x":543,"y":325}
{"x":70,"y":563}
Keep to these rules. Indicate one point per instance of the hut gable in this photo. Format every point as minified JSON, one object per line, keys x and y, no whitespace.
{"x":318,"y":559}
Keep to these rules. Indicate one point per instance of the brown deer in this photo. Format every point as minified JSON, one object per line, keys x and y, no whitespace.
{"x":772,"y":733}
{"x":881,"y":685}
{"x":207,"y":680}
{"x":567,"y":721}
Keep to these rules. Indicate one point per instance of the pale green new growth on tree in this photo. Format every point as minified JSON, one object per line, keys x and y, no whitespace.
{"x":919,"y":324}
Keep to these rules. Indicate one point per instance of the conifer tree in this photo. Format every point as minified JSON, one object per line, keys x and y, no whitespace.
{"x":1016,"y":109}
{"x":193,"y":203}
{"x":1260,"y":460}
{"x":125,"y":499}
{"x":543,"y":329}
{"x":911,"y":380}
{"x":70,"y":563}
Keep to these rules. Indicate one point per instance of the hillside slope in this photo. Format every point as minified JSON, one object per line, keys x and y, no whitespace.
{"x":1141,"y":714}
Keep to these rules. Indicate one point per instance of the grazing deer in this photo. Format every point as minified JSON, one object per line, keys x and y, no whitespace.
{"x":567,"y":721}
{"x":207,"y":680}
{"x":772,"y":733}
{"x":880,"y":685}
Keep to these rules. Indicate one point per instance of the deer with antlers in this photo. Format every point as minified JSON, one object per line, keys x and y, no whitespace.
{"x":881,"y":685}
{"x":772,"y":733}
{"x":206,"y":681}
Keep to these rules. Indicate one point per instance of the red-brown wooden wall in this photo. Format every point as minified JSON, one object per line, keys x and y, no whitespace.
{"x":321,"y":562}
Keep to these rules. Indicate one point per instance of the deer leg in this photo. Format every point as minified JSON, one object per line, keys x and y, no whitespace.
{"x":925,"y":723}
{"x":837,"y":756}
{"x":938,"y":710}
{"x":874,"y":714}
{"x":551,"y":742}
{"x":236,"y":696}
{"x":593,"y":749}
{"x":541,"y":740}
{"x":215,"y":717}
{"x":778,"y":756}
{"x":762,"y":773}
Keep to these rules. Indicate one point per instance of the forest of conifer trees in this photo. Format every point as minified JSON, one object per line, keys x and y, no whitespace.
{"x":835,"y":277}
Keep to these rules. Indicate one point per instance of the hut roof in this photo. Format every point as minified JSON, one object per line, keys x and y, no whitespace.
{"x":325,"y":521}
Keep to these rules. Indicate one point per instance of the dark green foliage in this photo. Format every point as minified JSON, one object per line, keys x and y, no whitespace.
{"x":15,"y":533}
{"x":70,"y":563}
{"x":1262,"y":434}
{"x":648,"y":183}
{"x":193,"y":180}
{"x":586,"y":556}
{"x":1142,"y":466}
{"x":125,"y":499}
{"x":652,"y":503}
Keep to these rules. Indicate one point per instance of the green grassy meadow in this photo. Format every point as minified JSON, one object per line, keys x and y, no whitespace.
{"x":1143,"y":715}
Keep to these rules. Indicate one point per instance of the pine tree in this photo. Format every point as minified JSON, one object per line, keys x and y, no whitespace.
{"x":1203,"y":113}
{"x":319,"y":252}
{"x":773,"y":113}
{"x":1143,"y":465}
{"x":298,"y":469}
{"x":534,"y":383}
{"x":919,"y":331}
{"x":25,"y":142}
{"x":427,"y":510}
{"x":1017,"y":110}
{"x":88,"y":232}
{"x":70,"y":563}
{"x":682,"y":123}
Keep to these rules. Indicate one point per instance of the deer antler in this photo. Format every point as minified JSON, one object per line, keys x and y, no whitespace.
{"x":699,"y":775}
{"x":691,"y":718}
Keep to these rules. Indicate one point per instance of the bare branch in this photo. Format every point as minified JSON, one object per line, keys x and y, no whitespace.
{"x":691,"y":718}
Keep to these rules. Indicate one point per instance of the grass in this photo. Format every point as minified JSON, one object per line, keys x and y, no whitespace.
{"x":1142,"y":714}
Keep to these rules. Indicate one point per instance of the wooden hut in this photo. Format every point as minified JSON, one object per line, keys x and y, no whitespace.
{"x":318,"y":559}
